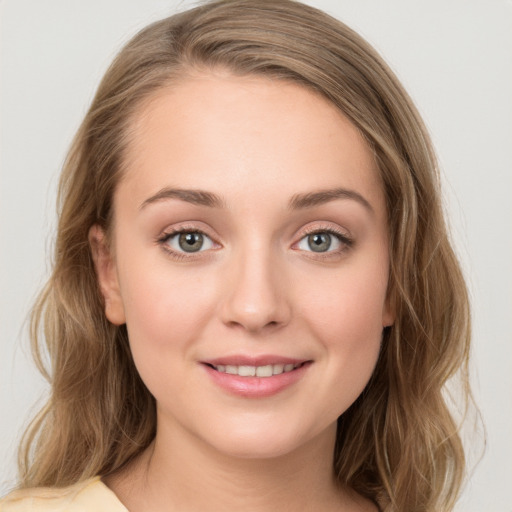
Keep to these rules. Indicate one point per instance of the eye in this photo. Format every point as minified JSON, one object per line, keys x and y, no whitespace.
{"x":323,"y":241}
{"x":188,"y":241}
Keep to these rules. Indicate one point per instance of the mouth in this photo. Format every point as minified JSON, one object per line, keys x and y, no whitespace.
{"x":263,"y":371}
{"x":256,"y":376}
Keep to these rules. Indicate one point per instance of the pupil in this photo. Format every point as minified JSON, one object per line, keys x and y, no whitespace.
{"x":191,"y":242}
{"x":319,"y":242}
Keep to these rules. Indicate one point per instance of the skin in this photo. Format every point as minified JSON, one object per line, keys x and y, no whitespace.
{"x":256,"y":288}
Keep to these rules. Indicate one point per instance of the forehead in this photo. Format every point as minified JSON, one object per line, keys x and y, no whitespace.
{"x":223,"y":133}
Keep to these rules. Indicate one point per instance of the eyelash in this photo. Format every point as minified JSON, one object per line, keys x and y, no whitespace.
{"x":346,"y":242}
{"x":164,"y":238}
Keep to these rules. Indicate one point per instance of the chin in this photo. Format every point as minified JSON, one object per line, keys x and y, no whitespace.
{"x":265,"y":440}
{"x":256,"y":449}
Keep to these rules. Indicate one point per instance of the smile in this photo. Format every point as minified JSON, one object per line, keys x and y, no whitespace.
{"x":256,"y":377}
{"x":268,"y":370}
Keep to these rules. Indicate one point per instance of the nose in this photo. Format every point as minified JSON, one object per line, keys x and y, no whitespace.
{"x":256,"y":296}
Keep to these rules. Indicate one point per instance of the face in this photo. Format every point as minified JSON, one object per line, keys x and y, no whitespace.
{"x":249,"y":261}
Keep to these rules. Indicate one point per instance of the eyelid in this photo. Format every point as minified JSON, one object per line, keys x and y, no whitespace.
{"x":343,"y":237}
{"x":325,"y":227}
{"x":170,"y":232}
{"x":172,"y":239}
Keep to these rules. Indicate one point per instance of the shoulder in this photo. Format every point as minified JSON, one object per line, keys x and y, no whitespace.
{"x":89,"y":496}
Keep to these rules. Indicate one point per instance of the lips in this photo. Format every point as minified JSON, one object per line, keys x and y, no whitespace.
{"x":255,"y":377}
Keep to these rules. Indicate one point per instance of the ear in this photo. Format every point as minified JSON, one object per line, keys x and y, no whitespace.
{"x":388,"y":311}
{"x":106,"y":273}
{"x":388,"y":317}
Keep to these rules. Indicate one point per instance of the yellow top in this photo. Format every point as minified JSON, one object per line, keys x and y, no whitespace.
{"x":89,"y":496}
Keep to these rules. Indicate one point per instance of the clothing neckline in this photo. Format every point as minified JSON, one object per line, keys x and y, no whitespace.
{"x":113,"y":498}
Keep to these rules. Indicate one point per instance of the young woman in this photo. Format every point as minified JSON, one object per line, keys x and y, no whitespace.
{"x":254,"y":301}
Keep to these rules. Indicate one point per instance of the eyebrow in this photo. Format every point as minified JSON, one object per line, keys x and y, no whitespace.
{"x":297,"y":202}
{"x":199,"y":197}
{"x":310,"y":199}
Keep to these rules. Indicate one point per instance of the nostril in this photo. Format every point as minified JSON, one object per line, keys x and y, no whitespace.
{"x":254,"y":302}
{"x":253,"y":325}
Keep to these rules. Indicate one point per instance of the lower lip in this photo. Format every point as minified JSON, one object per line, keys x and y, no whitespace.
{"x":256,"y":387}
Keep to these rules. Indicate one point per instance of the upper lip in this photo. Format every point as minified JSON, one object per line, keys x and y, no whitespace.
{"x":244,"y":360}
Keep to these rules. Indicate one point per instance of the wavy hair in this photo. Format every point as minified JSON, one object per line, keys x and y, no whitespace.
{"x":398,"y":444}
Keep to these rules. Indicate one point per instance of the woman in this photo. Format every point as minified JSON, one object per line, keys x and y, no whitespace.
{"x":254,"y":299}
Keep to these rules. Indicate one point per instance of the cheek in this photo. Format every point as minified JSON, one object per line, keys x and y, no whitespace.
{"x":345,"y":315}
{"x":165,"y":316}
{"x":349,"y":302}
{"x":165,"y":311}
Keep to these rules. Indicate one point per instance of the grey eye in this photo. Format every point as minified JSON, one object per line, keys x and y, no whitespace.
{"x":190,"y":241}
{"x":321,"y":241}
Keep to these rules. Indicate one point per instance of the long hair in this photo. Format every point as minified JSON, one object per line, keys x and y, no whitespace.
{"x":397,"y":444}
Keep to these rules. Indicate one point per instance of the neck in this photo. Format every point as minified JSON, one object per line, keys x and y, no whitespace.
{"x":181,"y":472}
{"x":253,"y":484}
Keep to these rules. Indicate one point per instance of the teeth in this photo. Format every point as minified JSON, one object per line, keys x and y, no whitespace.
{"x":256,"y":371}
{"x":277,"y":369}
{"x":247,"y":371}
{"x":264,"y":371}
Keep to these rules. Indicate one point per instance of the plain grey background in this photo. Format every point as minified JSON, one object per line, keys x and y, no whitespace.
{"x":453,"y":56}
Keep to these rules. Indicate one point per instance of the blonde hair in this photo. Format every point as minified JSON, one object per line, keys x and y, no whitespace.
{"x":398,"y":443}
